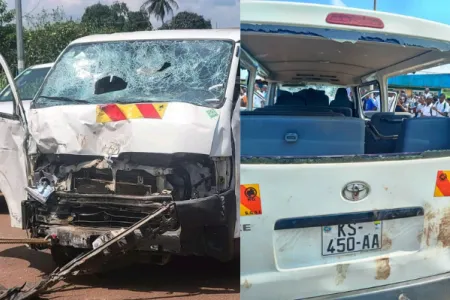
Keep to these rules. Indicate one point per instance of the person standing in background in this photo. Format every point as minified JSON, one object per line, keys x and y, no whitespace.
{"x":426,"y":110}
{"x":427,"y":93}
{"x":441,"y":107}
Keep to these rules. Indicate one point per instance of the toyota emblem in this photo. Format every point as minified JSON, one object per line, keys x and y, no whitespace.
{"x":355,"y":191}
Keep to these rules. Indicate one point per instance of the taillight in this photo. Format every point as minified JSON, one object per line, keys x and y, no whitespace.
{"x":354,"y":20}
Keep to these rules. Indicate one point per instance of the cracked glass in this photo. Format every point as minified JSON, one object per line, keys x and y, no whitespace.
{"x":192,"y":71}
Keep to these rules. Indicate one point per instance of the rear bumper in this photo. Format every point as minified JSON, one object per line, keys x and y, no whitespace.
{"x":430,"y":288}
{"x":206,"y":229}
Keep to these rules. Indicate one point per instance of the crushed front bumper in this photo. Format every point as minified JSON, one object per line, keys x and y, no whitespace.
{"x":206,"y":229}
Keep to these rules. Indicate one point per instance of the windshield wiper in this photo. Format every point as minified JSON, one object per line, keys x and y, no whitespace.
{"x":67,"y":99}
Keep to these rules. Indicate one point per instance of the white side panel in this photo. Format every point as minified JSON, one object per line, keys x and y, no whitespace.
{"x":13,"y":179}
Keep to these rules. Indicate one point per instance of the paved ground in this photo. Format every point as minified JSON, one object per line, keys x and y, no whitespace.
{"x":189,"y":278}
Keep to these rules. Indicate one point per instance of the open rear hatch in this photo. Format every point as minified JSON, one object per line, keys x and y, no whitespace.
{"x":319,"y":214}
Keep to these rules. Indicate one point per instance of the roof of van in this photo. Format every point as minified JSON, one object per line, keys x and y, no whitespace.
{"x":184,"y":34}
{"x":314,"y":15}
{"x":310,"y":49}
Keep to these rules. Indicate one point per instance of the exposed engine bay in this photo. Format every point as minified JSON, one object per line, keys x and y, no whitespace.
{"x":98,"y":193}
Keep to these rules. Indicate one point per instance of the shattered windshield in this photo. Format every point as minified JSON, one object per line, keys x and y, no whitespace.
{"x":193,"y":71}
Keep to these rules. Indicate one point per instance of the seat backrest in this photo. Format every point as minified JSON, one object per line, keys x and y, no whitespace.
{"x":388,"y":123}
{"x":422,"y":134}
{"x":263,"y":112}
{"x":315,"y":97}
{"x":267,"y":135}
{"x":341,"y":110}
{"x":284,"y":98}
{"x":341,"y":99}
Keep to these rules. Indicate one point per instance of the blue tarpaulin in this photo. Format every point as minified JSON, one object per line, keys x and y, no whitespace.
{"x":432,"y":81}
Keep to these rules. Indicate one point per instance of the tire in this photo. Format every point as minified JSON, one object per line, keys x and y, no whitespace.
{"x":62,"y":255}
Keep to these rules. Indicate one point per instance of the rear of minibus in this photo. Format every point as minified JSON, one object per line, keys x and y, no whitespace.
{"x":334,"y":205}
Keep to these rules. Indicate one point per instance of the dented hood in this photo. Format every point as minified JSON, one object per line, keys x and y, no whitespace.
{"x":111,"y":129}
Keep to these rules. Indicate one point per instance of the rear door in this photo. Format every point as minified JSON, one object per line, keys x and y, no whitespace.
{"x":311,"y":229}
{"x":13,"y":158}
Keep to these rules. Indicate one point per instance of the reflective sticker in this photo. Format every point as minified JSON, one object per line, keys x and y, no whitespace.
{"x":212,"y":113}
{"x":250,"y":200}
{"x":119,"y":112}
{"x":442,"y":188}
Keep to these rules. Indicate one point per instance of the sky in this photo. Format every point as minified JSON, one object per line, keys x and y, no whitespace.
{"x":224,"y":13}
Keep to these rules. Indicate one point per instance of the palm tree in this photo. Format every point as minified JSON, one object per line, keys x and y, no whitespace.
{"x":160,"y":8}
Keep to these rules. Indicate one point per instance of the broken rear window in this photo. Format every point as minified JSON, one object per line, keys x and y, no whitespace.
{"x":194,"y":71}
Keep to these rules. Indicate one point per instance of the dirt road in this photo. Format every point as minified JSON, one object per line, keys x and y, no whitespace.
{"x":190,"y":278}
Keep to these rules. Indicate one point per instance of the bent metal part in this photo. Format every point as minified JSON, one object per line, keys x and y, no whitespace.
{"x":124,"y":241}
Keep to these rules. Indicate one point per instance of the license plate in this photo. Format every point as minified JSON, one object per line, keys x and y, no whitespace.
{"x":347,"y":238}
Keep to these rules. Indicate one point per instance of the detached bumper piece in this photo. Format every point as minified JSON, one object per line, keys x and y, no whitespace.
{"x":107,"y":247}
{"x":207,"y":225}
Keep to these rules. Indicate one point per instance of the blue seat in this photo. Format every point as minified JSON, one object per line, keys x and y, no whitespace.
{"x":422,"y":134}
{"x":341,"y":110}
{"x":382,"y":132}
{"x":267,"y":135}
{"x":389,"y":123}
{"x":341,"y":99}
{"x":261,"y":112}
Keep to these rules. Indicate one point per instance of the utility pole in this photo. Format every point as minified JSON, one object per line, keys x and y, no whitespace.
{"x":374,"y":4}
{"x":19,"y":34}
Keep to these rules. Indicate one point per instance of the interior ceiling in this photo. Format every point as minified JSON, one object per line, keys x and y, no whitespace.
{"x":298,"y":58}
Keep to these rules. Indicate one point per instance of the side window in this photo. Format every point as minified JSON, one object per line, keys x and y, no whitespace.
{"x":370,"y":98}
{"x":244,"y":78}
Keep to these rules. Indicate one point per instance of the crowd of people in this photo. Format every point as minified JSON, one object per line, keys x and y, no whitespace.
{"x":259,"y":95}
{"x":424,"y":104}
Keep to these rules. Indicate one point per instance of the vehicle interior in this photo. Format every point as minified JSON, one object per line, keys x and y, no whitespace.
{"x":310,"y":123}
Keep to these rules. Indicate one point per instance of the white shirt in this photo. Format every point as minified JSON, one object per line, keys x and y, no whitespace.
{"x":377,"y":102}
{"x":442,"y":107}
{"x":427,"y":112}
{"x":257,"y":100}
{"x":428,"y":95}
{"x":419,"y":109}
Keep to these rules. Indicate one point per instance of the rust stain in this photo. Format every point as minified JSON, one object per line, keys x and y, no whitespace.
{"x":444,"y":229}
{"x":386,"y":188}
{"x":428,"y":231}
{"x":383,"y":268}
{"x":419,"y":237}
{"x":429,"y":213}
{"x":247,"y":284}
{"x":341,"y":273}
{"x":386,"y":242}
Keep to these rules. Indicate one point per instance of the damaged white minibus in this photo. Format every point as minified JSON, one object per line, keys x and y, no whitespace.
{"x":123,"y":124}
{"x":339,"y":200}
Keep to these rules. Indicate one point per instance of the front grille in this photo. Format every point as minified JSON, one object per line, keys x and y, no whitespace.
{"x":95,"y":181}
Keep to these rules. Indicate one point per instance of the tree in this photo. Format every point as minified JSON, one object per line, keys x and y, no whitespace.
{"x":7,"y":34}
{"x":187,"y":20}
{"x":160,"y":8}
{"x":116,"y":16}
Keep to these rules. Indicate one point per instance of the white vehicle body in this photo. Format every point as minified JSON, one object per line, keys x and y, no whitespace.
{"x":95,"y":113}
{"x":302,"y":193}
{"x":31,"y":75}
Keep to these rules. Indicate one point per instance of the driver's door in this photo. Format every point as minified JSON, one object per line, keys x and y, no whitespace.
{"x":13,"y":156}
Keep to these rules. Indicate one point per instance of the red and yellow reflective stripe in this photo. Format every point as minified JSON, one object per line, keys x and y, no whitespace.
{"x":442,"y":188}
{"x":119,"y":112}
